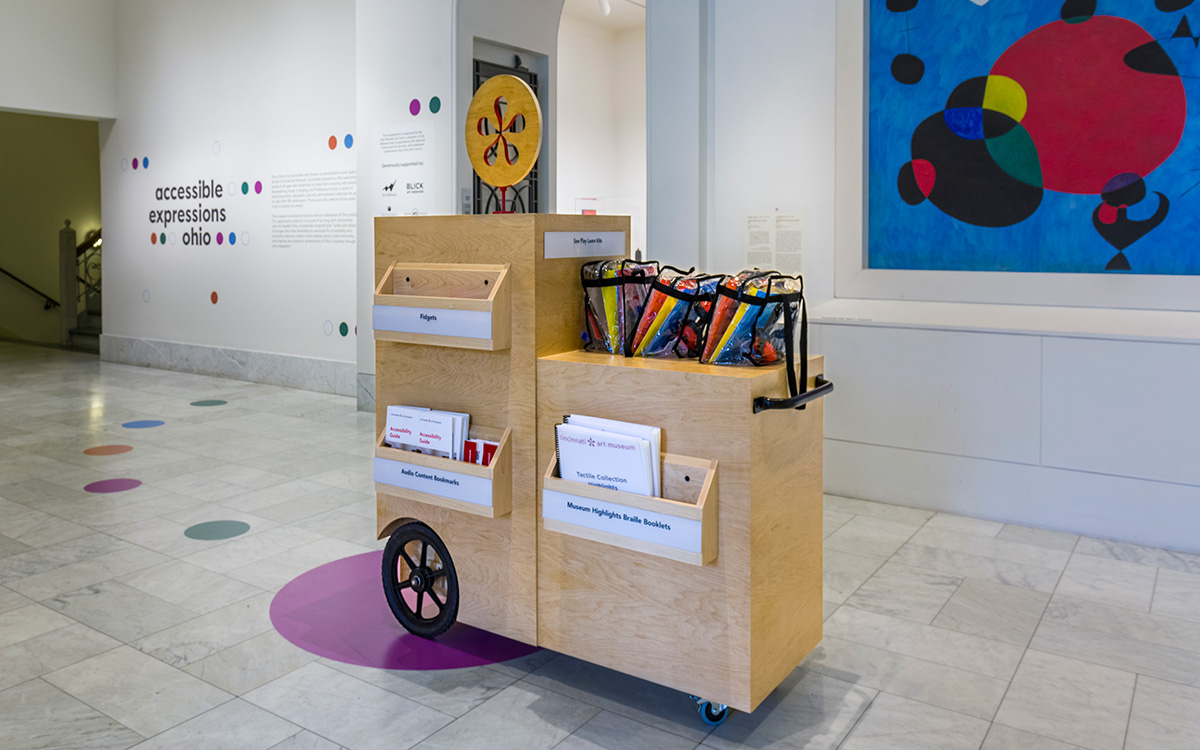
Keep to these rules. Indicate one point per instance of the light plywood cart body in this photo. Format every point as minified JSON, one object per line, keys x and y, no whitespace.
{"x":713,"y":589}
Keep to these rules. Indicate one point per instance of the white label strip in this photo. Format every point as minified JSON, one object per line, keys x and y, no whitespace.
{"x":646,"y":526}
{"x":469,"y":489}
{"x":470,"y":324}
{"x":583,"y":244}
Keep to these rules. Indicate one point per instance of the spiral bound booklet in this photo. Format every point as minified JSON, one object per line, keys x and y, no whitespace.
{"x":606,"y":459}
{"x":652,"y":435}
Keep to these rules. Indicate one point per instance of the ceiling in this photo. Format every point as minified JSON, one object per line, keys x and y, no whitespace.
{"x":625,"y":15}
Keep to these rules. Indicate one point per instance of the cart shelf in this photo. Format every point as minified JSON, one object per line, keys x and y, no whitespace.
{"x":459,"y":305}
{"x":457,"y":485}
{"x":681,"y":525}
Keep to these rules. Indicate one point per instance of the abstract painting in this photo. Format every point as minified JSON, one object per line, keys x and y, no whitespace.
{"x":1034,"y":136}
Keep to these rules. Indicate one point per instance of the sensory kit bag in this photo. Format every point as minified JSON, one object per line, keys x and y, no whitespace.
{"x":675,"y":315}
{"x":614,"y":292}
{"x":754,"y":322}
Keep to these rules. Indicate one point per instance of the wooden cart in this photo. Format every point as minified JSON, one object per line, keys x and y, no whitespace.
{"x":722,"y":598}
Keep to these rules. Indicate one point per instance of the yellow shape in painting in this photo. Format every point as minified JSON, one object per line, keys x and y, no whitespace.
{"x":504,"y":130}
{"x":1004,"y":95}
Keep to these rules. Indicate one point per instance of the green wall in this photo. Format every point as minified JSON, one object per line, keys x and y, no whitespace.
{"x":49,"y":171}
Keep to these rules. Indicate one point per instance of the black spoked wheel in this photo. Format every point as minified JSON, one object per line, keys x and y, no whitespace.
{"x":419,"y":580}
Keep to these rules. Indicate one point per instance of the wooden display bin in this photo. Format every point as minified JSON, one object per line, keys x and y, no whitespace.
{"x":680,"y":525}
{"x":730,"y":630}
{"x":447,"y":483}
{"x":496,"y":266}
{"x":444,"y":304}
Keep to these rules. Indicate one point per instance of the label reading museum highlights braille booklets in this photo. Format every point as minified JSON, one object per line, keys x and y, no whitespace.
{"x":633,"y":523}
{"x":583,"y":244}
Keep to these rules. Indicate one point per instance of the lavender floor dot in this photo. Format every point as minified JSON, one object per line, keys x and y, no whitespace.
{"x":141,"y":424}
{"x":112,"y":485}
{"x":338,"y":611}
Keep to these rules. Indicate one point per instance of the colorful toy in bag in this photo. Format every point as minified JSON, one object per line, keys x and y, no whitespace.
{"x":762,"y":323}
{"x":691,"y":337}
{"x":636,"y":278}
{"x":614,"y":292}
{"x":679,"y":302}
{"x":600,"y":308}
{"x":660,"y":306}
{"x":726,"y":309}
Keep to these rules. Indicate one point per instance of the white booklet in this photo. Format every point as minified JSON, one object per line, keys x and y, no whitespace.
{"x":462,"y":426}
{"x":417,"y":428}
{"x":605,"y":459}
{"x":653,"y":435}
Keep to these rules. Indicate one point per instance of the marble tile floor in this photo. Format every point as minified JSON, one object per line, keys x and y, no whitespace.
{"x":117,"y":631}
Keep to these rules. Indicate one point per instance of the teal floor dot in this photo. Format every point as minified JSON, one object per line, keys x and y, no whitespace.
{"x":212,"y":530}
{"x":210,"y":402}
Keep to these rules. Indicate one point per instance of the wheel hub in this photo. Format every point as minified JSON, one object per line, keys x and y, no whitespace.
{"x":419,"y":580}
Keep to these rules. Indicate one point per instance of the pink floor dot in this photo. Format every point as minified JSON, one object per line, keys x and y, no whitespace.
{"x":112,"y":485}
{"x":338,"y":611}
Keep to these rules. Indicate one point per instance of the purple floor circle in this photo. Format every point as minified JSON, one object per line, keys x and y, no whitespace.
{"x":338,"y":611}
{"x":112,"y":485}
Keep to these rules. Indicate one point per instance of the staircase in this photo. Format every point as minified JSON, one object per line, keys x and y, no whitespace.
{"x":85,"y":335}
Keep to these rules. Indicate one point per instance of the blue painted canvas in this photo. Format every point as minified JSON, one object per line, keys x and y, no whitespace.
{"x":1034,"y":135}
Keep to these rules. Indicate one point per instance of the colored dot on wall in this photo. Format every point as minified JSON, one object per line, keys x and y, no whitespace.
{"x":245,"y":188}
{"x":348,"y":140}
{"x":343,"y":329}
{"x":257,"y":187}
{"x":332,"y":142}
{"x":232,"y":238}
{"x":124,"y":164}
{"x":145,"y":162}
{"x":145,"y":295}
{"x":435,"y":105}
{"x":154,"y":238}
{"x":162,"y":238}
{"x":414,"y":107}
{"x":220,"y":238}
{"x":328,"y":327}
{"x":135,"y":162}
{"x":213,"y":297}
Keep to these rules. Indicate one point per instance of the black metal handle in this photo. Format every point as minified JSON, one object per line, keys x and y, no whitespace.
{"x":823,"y":388}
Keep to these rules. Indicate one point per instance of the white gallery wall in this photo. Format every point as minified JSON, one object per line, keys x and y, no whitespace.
{"x":602,"y":121}
{"x":59,"y":57}
{"x":404,"y":53}
{"x":229,"y":191}
{"x":1069,"y":419}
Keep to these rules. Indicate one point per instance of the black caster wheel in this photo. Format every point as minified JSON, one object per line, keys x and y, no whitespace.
{"x":419,"y":580}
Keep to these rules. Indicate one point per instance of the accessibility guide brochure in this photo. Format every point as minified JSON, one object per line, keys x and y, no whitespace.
{"x":415,"y":428}
{"x":606,"y":459}
{"x":653,"y":435}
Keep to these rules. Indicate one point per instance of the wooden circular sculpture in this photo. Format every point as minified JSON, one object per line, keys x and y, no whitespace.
{"x":504,"y":131}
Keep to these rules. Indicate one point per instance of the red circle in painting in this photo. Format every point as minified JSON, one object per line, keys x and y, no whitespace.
{"x":1090,"y":115}
{"x":108,"y":450}
{"x":213,"y":297}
